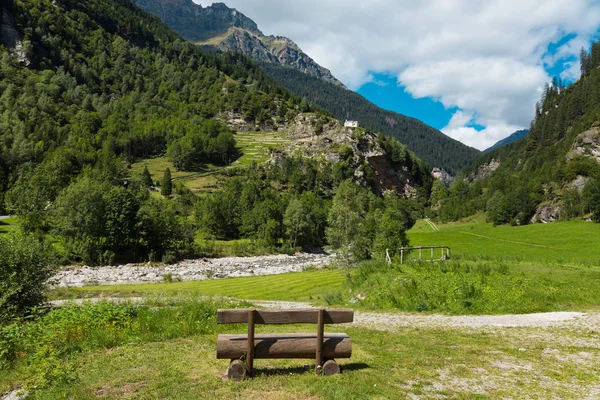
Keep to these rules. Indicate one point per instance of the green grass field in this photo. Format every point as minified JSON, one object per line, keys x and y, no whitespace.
{"x":572,"y":242}
{"x":167,"y":350}
{"x":206,"y":181}
{"x":8,"y":225}
{"x":311,"y":286}
{"x":256,"y":146}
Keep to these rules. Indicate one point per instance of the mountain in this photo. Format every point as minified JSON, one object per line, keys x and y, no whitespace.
{"x":226,"y":29}
{"x":222,"y":28}
{"x":508,"y":140}
{"x":426,"y":142}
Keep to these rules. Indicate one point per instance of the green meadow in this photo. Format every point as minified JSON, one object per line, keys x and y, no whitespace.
{"x":8,"y":225}
{"x":164,"y":347}
{"x":571,"y":242}
{"x":255,"y":147}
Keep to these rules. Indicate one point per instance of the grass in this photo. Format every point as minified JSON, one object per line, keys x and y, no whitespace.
{"x":8,"y":225}
{"x":305,"y":286}
{"x":198,"y":182}
{"x":256,"y":147}
{"x":572,"y":242}
{"x":425,"y":362}
{"x":167,"y":350}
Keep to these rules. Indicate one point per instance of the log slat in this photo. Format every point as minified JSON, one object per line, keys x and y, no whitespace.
{"x":295,"y":316}
{"x":294,"y":345}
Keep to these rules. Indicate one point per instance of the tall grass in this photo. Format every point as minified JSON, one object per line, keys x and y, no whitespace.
{"x":44,"y":344}
{"x":454,"y":287}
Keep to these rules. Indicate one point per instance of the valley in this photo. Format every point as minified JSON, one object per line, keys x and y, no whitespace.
{"x":160,"y":160}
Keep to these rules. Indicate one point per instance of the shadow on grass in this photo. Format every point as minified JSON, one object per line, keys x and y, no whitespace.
{"x":305,"y":369}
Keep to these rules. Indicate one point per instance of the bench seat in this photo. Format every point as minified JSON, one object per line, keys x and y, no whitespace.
{"x":285,"y":345}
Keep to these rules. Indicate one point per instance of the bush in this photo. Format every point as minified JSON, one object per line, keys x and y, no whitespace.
{"x":25,"y":266}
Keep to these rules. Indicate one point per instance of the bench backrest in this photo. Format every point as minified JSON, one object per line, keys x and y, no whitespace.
{"x":293,"y":316}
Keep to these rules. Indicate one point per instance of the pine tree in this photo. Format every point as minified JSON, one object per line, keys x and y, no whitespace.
{"x":146,"y":177}
{"x":583,"y":62}
{"x":166,"y":187}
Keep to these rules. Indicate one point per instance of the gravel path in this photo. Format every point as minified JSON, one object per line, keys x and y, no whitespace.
{"x":189,"y":270}
{"x":391,"y":321}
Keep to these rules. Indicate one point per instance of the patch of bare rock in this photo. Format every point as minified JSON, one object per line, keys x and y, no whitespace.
{"x":189,"y":270}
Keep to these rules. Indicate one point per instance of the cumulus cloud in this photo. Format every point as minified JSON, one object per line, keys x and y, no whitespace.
{"x":487,"y":58}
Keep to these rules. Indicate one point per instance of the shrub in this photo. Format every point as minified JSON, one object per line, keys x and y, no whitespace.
{"x":25,"y":266}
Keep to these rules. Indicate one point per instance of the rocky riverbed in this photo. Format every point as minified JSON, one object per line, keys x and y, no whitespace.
{"x":189,"y":270}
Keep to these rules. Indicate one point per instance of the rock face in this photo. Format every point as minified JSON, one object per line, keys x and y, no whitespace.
{"x":9,"y":36}
{"x":197,"y":23}
{"x":12,"y":38}
{"x":226,"y":29}
{"x":486,"y":170}
{"x":359,"y":147}
{"x":442,"y":176}
{"x":587,"y":144}
{"x":547,"y":212}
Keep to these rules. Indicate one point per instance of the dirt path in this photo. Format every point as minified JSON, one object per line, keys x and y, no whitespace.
{"x":391,"y":321}
{"x":432,"y":225}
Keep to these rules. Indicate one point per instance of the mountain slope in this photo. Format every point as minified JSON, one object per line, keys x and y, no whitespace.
{"x":99,"y":83}
{"x":222,"y":28}
{"x":508,"y":140}
{"x":427,"y":143}
{"x":226,"y":29}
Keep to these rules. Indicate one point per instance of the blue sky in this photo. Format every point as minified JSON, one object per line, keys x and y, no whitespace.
{"x":473,"y":69}
{"x":385,"y":91}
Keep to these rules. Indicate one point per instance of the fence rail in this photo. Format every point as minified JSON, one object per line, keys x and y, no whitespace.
{"x":405,"y":250}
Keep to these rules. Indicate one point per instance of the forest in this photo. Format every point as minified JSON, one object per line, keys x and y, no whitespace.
{"x":102,"y":84}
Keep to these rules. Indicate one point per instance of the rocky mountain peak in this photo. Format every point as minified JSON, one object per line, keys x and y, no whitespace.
{"x":226,"y":29}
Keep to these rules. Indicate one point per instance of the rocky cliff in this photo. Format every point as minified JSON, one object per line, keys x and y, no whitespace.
{"x":226,"y":29}
{"x":360,"y":149}
{"x":197,"y":23}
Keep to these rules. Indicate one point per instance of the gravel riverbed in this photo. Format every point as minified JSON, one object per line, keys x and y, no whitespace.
{"x":189,"y":270}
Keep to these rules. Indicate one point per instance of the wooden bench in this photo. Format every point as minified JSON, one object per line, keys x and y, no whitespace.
{"x":321,"y":347}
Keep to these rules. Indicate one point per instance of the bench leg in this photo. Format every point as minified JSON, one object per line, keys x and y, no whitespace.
{"x":236,"y":370}
{"x":330,"y":367}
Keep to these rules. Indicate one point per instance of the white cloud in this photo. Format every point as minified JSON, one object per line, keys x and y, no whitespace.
{"x":458,"y":128}
{"x":487,"y":58}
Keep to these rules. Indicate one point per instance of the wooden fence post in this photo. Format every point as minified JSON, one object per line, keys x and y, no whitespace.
{"x":320,"y":333}
{"x":250,"y":352}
